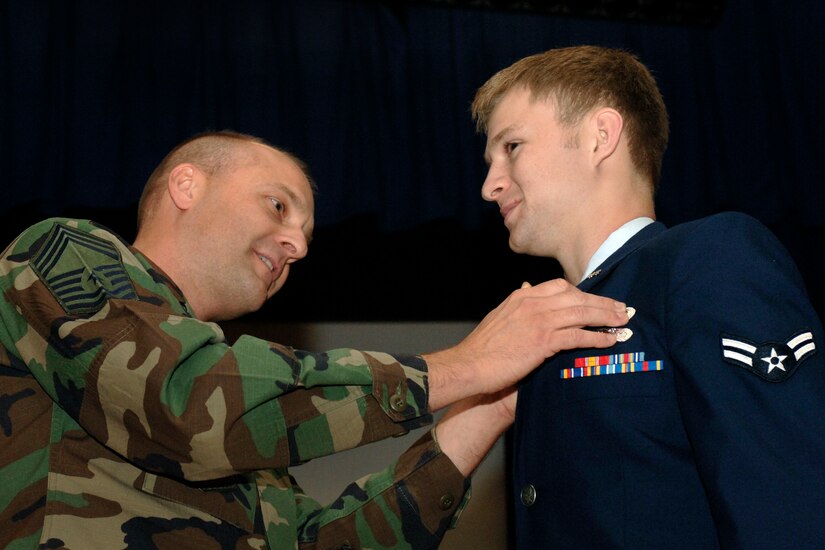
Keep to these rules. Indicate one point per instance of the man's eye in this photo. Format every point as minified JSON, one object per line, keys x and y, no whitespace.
{"x":279,"y":206}
{"x":510,"y":147}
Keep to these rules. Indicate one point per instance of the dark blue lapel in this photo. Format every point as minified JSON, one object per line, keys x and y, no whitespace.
{"x":648,"y":232}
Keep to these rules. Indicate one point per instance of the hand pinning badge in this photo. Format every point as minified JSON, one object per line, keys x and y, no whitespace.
{"x":623,"y":334}
{"x":619,"y":363}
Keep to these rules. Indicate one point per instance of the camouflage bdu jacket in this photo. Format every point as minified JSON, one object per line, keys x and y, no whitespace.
{"x":126,"y":422}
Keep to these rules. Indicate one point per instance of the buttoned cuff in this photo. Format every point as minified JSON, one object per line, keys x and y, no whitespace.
{"x":400,"y":385}
{"x":431,"y":481}
{"x":411,"y":504}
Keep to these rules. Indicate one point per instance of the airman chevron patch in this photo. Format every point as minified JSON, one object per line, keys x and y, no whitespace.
{"x":81,"y":270}
{"x":773,"y":361}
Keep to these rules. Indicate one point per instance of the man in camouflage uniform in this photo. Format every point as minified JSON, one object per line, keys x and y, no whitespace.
{"x":127,"y":421}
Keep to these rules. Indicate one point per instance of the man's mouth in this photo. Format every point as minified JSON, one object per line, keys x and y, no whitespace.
{"x":507,"y":208}
{"x":274,"y":269}
{"x":267,"y":262}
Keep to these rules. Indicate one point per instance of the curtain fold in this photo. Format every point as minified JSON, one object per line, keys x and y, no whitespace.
{"x":375,"y":97}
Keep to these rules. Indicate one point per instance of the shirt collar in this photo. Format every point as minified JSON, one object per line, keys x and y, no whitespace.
{"x":614,"y":242}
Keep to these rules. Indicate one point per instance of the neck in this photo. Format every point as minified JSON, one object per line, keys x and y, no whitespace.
{"x":160,"y":250}
{"x":594,"y":229}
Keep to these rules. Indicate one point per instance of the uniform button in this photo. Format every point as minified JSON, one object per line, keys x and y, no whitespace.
{"x":397,"y":403}
{"x":528,"y":495}
{"x":446,"y":502}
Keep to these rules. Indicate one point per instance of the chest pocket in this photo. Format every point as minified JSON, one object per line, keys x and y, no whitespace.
{"x":623,"y":375}
{"x":234,"y":502}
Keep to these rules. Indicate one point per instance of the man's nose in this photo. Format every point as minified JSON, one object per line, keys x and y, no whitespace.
{"x":494,"y":184}
{"x":294,"y":242}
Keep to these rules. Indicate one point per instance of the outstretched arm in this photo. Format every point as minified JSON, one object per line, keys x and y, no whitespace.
{"x":413,"y":502}
{"x":532,"y":324}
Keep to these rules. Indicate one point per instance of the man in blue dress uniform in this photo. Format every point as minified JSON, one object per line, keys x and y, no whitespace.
{"x":705,"y":426}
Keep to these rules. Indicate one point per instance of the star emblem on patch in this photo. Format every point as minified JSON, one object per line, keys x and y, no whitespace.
{"x":773,"y":361}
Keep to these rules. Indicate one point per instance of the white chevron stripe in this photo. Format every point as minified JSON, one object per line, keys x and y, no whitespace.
{"x":728,"y":343}
{"x":804,"y":350}
{"x":738,"y":357}
{"x":800,"y":339}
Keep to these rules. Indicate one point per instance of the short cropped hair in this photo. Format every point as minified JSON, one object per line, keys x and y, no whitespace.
{"x":580,"y":78}
{"x":212,"y":152}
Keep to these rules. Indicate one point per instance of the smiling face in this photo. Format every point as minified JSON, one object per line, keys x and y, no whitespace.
{"x":538,"y":174}
{"x":251,"y":222}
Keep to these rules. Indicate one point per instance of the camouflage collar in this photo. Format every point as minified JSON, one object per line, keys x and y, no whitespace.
{"x":161,"y":277}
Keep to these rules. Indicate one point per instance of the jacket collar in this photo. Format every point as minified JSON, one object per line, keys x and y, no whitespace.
{"x":644,"y":235}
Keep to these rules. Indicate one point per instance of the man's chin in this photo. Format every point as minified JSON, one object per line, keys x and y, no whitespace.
{"x":275,"y":288}
{"x":525,"y":247}
{"x":245,"y":305}
{"x":516,"y":245}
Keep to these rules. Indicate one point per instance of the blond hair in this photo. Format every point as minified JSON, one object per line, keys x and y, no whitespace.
{"x":580,"y":78}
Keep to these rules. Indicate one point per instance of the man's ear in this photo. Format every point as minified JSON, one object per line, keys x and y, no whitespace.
{"x":182,"y":184}
{"x":607,"y":125}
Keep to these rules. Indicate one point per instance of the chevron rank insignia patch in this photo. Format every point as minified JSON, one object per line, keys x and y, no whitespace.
{"x":773,"y":361}
{"x":81,"y":270}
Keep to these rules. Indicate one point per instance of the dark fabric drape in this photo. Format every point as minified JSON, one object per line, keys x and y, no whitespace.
{"x":375,"y":97}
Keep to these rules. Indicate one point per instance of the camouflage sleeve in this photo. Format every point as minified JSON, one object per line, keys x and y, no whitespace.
{"x":411,"y":504}
{"x":105,"y":334}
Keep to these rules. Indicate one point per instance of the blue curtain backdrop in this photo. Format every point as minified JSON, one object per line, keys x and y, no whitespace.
{"x":375,"y":96}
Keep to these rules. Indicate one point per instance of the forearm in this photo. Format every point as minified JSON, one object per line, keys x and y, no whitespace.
{"x":451,"y":377}
{"x":212,"y":410}
{"x":411,"y":504}
{"x":274,"y":407}
{"x":471,"y":427}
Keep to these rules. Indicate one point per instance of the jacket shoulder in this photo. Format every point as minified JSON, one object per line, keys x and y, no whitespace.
{"x":730,"y":220}
{"x":720,"y":228}
{"x":34,"y":233}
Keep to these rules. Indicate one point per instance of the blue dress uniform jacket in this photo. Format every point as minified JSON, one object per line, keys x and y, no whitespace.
{"x":706,"y":428}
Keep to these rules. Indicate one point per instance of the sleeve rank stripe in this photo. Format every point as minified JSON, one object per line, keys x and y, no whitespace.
{"x":729,"y":343}
{"x":736,"y":356}
{"x":802,"y":338}
{"x":804,"y":350}
{"x":63,"y":237}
